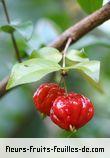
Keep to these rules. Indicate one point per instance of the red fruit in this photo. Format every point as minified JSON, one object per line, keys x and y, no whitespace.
{"x":45,"y":96}
{"x":72,"y":111}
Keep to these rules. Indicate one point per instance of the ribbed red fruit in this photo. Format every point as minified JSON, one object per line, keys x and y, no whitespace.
{"x":45,"y":96}
{"x":72,"y":111}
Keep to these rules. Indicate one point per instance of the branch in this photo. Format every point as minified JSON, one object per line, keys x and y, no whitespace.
{"x":83,"y":27}
{"x":12,"y":35}
{"x":75,"y":32}
{"x":3,"y":84}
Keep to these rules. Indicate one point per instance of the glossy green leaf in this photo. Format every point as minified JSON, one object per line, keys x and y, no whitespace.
{"x":25,"y":29}
{"x":89,"y":68}
{"x":77,"y":56}
{"x":47,"y":53}
{"x":90,"y":6}
{"x":30,"y":71}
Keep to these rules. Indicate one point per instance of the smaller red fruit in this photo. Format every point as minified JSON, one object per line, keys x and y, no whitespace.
{"x":72,"y":111}
{"x":45,"y":96}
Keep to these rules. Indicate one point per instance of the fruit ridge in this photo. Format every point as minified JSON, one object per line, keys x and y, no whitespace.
{"x":45,"y":95}
{"x":72,"y":111}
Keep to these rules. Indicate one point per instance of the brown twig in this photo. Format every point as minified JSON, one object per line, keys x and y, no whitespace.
{"x":83,"y":27}
{"x":12,"y":35}
{"x":3,"y":84}
{"x":65,"y":50}
{"x":75,"y":32}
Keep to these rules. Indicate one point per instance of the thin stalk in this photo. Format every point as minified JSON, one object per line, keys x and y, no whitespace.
{"x":12,"y":35}
{"x":65,"y":85}
{"x":64,"y":73}
{"x":65,"y":51}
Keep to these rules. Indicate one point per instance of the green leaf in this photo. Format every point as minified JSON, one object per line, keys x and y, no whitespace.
{"x":89,"y":68}
{"x":96,"y":85}
{"x":25,"y":29}
{"x":90,"y":6}
{"x":47,"y":53}
{"x":90,"y":71}
{"x":30,"y":71}
{"x":7,"y":28}
{"x":77,"y":56}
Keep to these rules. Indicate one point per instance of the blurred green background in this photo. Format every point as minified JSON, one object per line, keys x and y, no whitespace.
{"x":18,"y":116}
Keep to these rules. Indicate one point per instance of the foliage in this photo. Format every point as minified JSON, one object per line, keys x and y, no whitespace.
{"x":30,"y":71}
{"x":18,"y":116}
{"x":90,"y":6}
{"x":25,"y":29}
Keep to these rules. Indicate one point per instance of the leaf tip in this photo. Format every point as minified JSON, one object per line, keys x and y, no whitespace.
{"x":8,"y":86}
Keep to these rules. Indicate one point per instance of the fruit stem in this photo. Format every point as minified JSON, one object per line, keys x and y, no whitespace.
{"x":65,"y":51}
{"x":64,"y":73}
{"x":65,"y":85}
{"x":62,"y":81}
